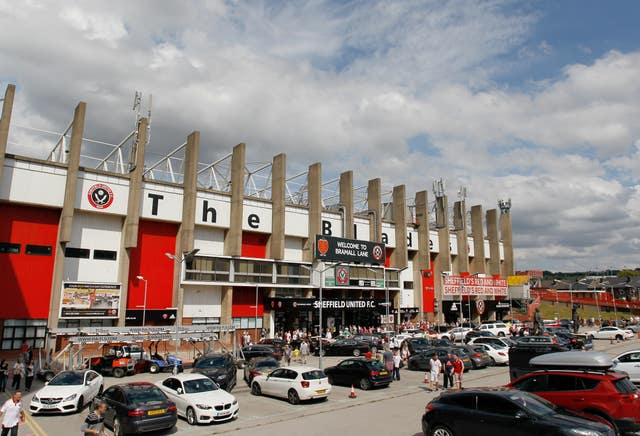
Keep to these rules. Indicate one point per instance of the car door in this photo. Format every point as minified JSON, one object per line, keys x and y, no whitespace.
{"x":92,"y":385}
{"x":116,"y":404}
{"x":630,"y":363}
{"x":270,"y":385}
{"x":342,"y":374}
{"x":170,"y":387}
{"x":496,"y":417}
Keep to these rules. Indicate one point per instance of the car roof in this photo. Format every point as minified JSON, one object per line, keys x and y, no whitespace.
{"x":578,"y":359}
{"x":301,"y":368}
{"x":577,"y":372}
{"x":135,"y":385}
{"x":189,"y":376}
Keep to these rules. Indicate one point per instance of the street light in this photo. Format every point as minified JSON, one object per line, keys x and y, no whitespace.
{"x":144,"y":304}
{"x":320,"y":309}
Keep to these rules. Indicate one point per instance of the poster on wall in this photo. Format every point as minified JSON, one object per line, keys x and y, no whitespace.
{"x":89,"y":300}
{"x":456,"y":285}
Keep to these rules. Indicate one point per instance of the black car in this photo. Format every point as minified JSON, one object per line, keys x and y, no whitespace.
{"x":479,"y":358}
{"x":416,"y":345}
{"x":422,"y":360}
{"x":365,"y":373}
{"x":259,"y":366}
{"x":219,"y":367}
{"x":571,"y":340}
{"x":345,"y":347}
{"x":375,"y":342}
{"x":253,"y":351}
{"x":521,"y":354}
{"x":137,"y":408}
{"x":477,"y":334}
{"x":503,"y":412}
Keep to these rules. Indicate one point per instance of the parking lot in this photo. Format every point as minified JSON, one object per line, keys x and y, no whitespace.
{"x":393,"y":410}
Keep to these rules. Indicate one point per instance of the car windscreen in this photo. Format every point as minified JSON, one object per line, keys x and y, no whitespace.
{"x":266,"y":364}
{"x":67,"y":378}
{"x":145,"y":395}
{"x":533,"y":404}
{"x":376,"y":365}
{"x":624,"y":386}
{"x":199,"y":385}
{"x":211,"y":362}
{"x":313,"y":375}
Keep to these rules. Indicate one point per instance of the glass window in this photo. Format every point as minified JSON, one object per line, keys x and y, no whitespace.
{"x":253,"y":271}
{"x":497,"y":405}
{"x":624,"y":386}
{"x":292,"y":273}
{"x":38,"y":250}
{"x":78,"y":253}
{"x":9,"y":248}
{"x":313,"y":375}
{"x":105,"y":255}
{"x":467,"y":401}
{"x":533,"y":384}
{"x":15,"y":333}
{"x":208,"y":269}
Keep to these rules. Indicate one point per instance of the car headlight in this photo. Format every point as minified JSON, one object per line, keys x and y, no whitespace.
{"x":35,"y":399}
{"x":71,"y":397}
{"x":583,"y":432}
{"x":203,"y":406}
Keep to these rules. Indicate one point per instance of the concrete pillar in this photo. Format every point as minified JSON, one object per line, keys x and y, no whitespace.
{"x":132,"y":220}
{"x":374,"y":203}
{"x":399,"y":256}
{"x":507,"y":239}
{"x":5,"y":122}
{"x":226,"y":303}
{"x":422,"y":259}
{"x":460,"y":224}
{"x":314,"y":195}
{"x":68,"y":208}
{"x":442,"y":262}
{"x":186,"y":231}
{"x":278,"y":176}
{"x":346,"y":200}
{"x":233,"y":237}
{"x":477,"y":229}
{"x":494,"y":243}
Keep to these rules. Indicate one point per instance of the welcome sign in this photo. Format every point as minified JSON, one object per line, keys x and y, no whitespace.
{"x":332,"y":249}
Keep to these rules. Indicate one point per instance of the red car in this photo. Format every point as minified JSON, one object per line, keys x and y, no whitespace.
{"x":607,"y":394}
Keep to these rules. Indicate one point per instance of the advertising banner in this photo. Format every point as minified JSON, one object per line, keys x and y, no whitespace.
{"x":332,"y":249}
{"x":456,"y":285}
{"x":89,"y":300}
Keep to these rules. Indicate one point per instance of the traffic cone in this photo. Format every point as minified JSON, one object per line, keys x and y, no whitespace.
{"x":426,"y":378}
{"x":352,"y":394}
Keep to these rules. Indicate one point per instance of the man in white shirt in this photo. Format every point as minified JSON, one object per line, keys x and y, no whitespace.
{"x":436,"y":368}
{"x":12,"y":414}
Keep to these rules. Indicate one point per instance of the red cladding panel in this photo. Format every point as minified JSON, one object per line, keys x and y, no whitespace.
{"x":244,"y":303}
{"x":428,"y":295}
{"x":26,"y":279}
{"x":254,"y":245}
{"x":387,"y":261}
{"x":148,"y":260}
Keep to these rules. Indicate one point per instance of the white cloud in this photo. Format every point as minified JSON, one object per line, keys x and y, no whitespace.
{"x":100,"y":27}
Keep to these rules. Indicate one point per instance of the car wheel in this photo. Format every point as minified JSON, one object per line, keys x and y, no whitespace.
{"x":292,"y":397}
{"x":441,"y":430}
{"x":191,"y":416}
{"x":80,"y":404}
{"x":493,"y":361}
{"x":118,"y":372}
{"x":154,"y":368}
{"x":255,"y":390}
{"x":501,"y":334}
{"x":618,"y":337}
{"x":117,"y":428}
{"x":356,"y":352}
{"x":365,"y":384}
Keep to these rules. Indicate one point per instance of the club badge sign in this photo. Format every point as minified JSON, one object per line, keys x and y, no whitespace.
{"x":480,"y":307}
{"x":332,"y":249}
{"x":100,"y":196}
{"x":342,"y":276}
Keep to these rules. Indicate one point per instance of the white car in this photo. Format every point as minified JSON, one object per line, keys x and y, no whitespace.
{"x":629,"y":362}
{"x":198,"y":399}
{"x":491,"y":340}
{"x":397,"y":339}
{"x":295,"y":383}
{"x":497,"y":328}
{"x":499,"y":356}
{"x":456,"y":333}
{"x":67,"y":392}
{"x":611,"y":333}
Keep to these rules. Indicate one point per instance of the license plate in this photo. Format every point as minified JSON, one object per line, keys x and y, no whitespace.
{"x":384,"y":372}
{"x":222,"y":414}
{"x":321,"y":391}
{"x":155,"y":412}
{"x":49,"y":406}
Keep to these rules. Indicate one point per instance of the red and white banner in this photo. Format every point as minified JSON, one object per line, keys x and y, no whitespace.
{"x":456,"y":285}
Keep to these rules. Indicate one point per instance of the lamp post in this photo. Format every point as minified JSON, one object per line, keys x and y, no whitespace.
{"x":144,"y":304}
{"x":187,"y":255}
{"x":321,"y":287}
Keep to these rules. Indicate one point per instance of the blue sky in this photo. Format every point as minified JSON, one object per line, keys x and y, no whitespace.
{"x":536,"y":101}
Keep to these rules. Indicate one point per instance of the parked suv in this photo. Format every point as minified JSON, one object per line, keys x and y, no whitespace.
{"x":607,"y":394}
{"x":219,"y":367}
{"x":497,"y":328}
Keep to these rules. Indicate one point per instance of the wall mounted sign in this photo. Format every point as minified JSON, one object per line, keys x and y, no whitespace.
{"x":332,"y":249}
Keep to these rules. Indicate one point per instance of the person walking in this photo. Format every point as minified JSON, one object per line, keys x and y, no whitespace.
{"x":304,"y":351}
{"x":12,"y":415}
{"x":447,"y":370}
{"x":397,"y":361}
{"x":94,"y":422}
{"x":4,"y":375}
{"x":18,"y":372}
{"x":29,"y":373}
{"x":287,"y":354}
{"x":387,"y":358}
{"x":458,"y":369}
{"x":436,"y":368}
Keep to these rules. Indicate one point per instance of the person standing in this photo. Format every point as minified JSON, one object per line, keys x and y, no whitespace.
{"x":436,"y":368}
{"x":304,"y":351}
{"x":397,"y":360}
{"x":4,"y":375}
{"x":458,"y":369}
{"x":387,"y":358}
{"x":94,"y":422}
{"x":12,"y":415}
{"x":18,"y":372}
{"x":29,"y":373}
{"x":287,"y":354}
{"x":447,"y":364}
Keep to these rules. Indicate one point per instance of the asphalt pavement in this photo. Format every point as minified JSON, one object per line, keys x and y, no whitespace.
{"x":395,"y":410}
